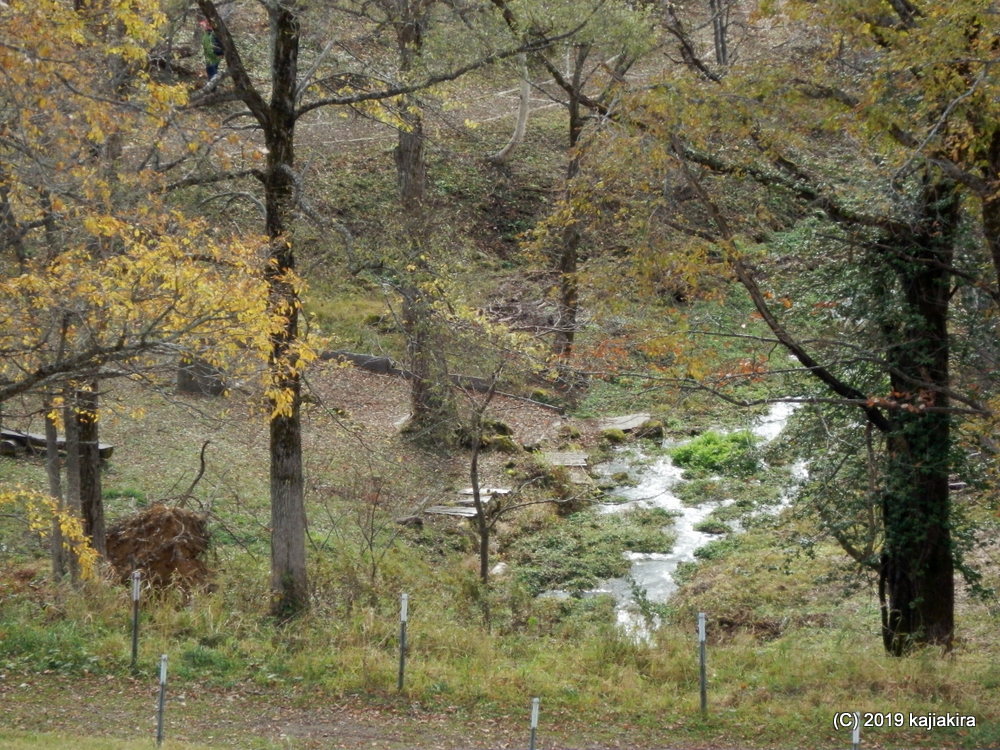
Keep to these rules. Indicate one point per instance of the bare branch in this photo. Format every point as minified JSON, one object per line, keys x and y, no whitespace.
{"x":433,"y":80}
{"x":210,"y":179}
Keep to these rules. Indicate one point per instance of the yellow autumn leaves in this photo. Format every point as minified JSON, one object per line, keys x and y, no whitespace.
{"x":105,"y":269}
{"x":43,"y":515}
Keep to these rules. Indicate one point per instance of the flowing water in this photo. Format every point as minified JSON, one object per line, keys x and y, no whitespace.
{"x":654,"y":572}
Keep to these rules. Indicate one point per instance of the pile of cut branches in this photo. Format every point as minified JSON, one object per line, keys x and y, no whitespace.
{"x":166,"y":542}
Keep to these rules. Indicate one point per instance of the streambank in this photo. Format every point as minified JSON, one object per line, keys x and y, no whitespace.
{"x":656,"y":485}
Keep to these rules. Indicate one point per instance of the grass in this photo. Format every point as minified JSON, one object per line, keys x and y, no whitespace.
{"x":788,"y":647}
{"x":53,"y":741}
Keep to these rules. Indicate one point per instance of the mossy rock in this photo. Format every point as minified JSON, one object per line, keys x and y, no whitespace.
{"x":501,"y":444}
{"x":614,"y":436}
{"x":704,"y":490}
{"x":493,"y":435}
{"x":496,"y":427}
{"x":382,"y":323}
{"x":543,"y":396}
{"x":654,"y":429}
{"x":570,"y":432}
{"x":544,"y":473}
{"x":614,"y":500}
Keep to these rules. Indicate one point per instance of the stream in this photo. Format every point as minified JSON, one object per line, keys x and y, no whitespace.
{"x":654,"y":488}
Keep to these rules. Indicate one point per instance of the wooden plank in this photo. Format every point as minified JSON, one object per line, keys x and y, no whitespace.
{"x":21,"y":438}
{"x":625,"y":423}
{"x":487,"y":491}
{"x":34,"y":440}
{"x":451,"y":510}
{"x":468,"y":501}
{"x":566,"y":459}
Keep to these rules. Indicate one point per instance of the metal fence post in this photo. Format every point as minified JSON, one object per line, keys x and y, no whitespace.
{"x":534,"y":722}
{"x":136,"y":579}
{"x":702,"y":666}
{"x":163,"y":700}
{"x":403,"y":614}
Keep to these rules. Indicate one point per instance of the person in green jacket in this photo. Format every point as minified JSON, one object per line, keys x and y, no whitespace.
{"x":212,"y":47}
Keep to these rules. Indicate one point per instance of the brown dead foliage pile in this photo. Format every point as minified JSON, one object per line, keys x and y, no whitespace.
{"x":167,"y":543}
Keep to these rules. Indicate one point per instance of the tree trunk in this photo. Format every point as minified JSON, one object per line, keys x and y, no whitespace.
{"x":289,"y":583}
{"x":523,"y":108}
{"x":72,"y":449}
{"x":991,"y":201}
{"x":569,"y":251}
{"x":917,"y":571}
{"x":484,"y":553}
{"x":991,"y":230}
{"x":53,"y":469}
{"x":482,"y":522}
{"x":276,"y":118}
{"x":433,"y":413}
{"x":568,"y":292}
{"x":88,"y":465}
{"x":720,"y":30}
{"x":411,"y":163}
{"x":11,"y":238}
{"x":917,"y":567}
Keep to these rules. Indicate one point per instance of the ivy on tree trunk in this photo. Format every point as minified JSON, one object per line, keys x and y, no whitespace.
{"x":916,"y":581}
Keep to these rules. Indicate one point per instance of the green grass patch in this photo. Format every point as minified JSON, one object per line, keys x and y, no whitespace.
{"x":712,"y":526}
{"x":11,"y":740}
{"x":62,"y":645}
